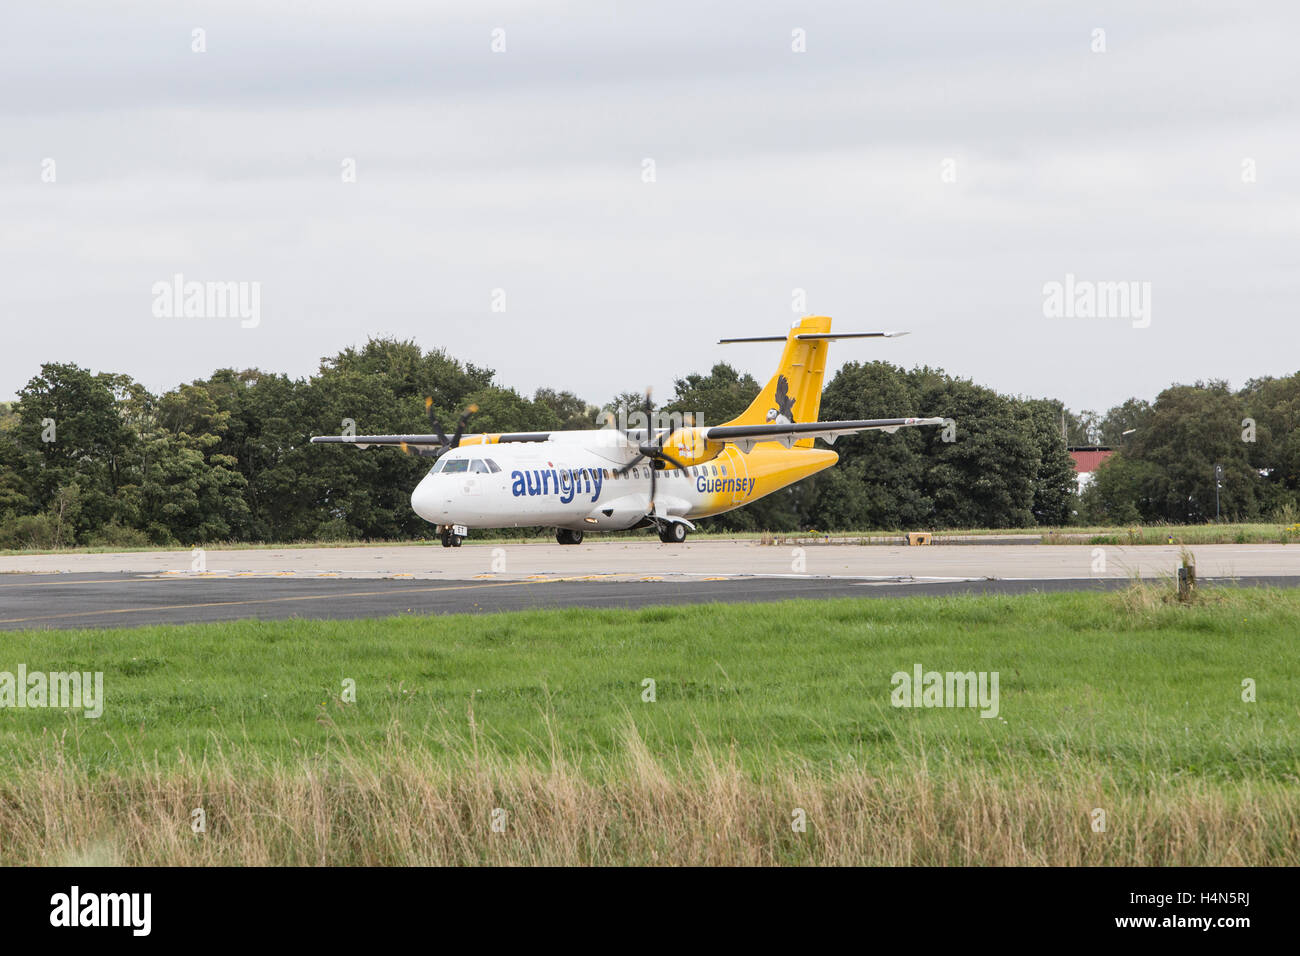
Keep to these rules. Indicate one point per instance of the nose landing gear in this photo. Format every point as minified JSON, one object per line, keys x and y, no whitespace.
{"x":453,"y":535}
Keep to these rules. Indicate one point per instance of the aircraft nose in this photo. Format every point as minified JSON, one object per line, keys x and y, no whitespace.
{"x":423,"y":500}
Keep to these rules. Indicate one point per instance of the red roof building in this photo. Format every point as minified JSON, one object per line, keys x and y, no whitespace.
{"x":1087,"y":459}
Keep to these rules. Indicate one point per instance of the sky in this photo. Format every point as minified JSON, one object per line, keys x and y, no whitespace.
{"x":587,"y":196}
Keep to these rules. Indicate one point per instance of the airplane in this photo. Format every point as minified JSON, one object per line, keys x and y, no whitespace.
{"x":611,"y":479}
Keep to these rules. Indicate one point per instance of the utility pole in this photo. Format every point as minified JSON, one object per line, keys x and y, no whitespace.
{"x":1218,"y":483}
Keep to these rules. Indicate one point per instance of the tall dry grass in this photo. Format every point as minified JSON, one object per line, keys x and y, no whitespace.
{"x":413,"y":801}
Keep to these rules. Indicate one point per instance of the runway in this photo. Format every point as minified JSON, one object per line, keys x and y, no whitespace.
{"x":130,"y":600}
{"x":621,"y":557}
{"x":131,"y":589}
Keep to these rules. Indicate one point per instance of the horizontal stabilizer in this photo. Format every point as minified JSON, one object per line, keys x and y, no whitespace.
{"x":815,"y":337}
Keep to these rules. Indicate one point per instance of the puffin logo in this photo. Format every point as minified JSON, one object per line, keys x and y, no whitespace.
{"x":783,"y":414}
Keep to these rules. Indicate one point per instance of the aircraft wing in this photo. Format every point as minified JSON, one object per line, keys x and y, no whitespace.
{"x":745,"y":437}
{"x":418,"y":443}
{"x":421,"y":442}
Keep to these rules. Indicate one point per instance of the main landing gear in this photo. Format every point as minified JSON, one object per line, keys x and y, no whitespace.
{"x":672,"y":532}
{"x":565,"y":536}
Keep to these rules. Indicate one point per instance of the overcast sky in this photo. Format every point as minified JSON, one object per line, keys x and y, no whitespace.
{"x":774,"y":170}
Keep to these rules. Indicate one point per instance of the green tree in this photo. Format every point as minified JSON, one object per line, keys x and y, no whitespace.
{"x":1271,"y":432}
{"x":1133,"y":416}
{"x":1119,"y":493}
{"x":1054,"y":479}
{"x":570,"y":411}
{"x":878,"y":481}
{"x":1191,"y":429}
{"x":69,"y":432}
{"x":715,"y":398}
{"x":985,"y":476}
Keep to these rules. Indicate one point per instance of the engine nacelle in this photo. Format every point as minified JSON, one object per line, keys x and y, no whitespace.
{"x":690,"y":447}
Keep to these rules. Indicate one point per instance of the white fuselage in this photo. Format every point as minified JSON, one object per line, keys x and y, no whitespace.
{"x":569,"y":481}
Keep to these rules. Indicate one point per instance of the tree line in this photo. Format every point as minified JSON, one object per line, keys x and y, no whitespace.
{"x":97,"y":459}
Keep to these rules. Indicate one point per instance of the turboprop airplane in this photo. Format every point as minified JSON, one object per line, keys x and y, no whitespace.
{"x":611,"y":479}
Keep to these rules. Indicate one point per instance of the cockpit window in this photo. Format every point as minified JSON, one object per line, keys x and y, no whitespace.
{"x":492,"y":465}
{"x":451,"y":466}
{"x":479,"y":467}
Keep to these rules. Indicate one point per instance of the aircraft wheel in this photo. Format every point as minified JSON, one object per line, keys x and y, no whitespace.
{"x":446,"y":539}
{"x":456,"y":540}
{"x":565,"y":536}
{"x":673,"y":533}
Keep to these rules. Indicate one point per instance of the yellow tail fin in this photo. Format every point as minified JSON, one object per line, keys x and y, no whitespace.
{"x":795,"y":392}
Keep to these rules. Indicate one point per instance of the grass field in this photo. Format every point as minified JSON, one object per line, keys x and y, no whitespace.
{"x":1128,"y":703}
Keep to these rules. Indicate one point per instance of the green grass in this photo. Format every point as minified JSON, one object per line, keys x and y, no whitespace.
{"x":1126,"y":702}
{"x":1153,"y":692}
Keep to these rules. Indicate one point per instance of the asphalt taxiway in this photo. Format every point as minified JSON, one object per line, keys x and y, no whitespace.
{"x":136,"y":588}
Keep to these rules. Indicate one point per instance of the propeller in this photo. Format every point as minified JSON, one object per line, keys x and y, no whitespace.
{"x":653,"y":449}
{"x":460,"y":425}
{"x":446,"y":443}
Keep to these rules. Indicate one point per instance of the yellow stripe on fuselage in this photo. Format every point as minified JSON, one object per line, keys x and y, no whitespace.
{"x":742,"y":478}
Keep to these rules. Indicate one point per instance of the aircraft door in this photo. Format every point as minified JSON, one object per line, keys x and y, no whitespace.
{"x":736,"y":467}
